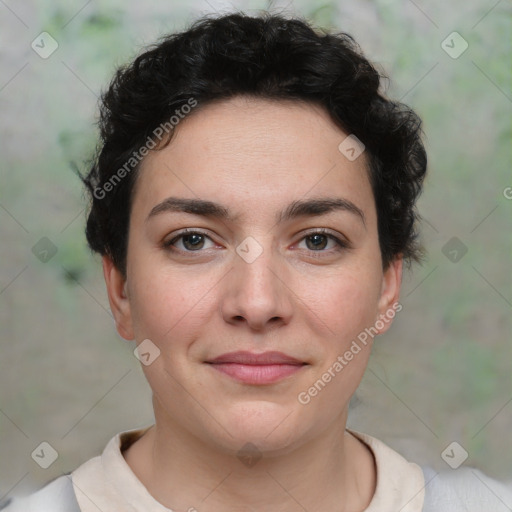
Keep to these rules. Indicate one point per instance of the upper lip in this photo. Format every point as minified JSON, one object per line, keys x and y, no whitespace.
{"x":244,"y":357}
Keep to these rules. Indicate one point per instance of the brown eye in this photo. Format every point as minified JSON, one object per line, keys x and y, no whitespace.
{"x":193,"y":242}
{"x":189,"y":241}
{"x":318,"y":242}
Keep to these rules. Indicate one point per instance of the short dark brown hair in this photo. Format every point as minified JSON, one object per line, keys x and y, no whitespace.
{"x":267,"y":56}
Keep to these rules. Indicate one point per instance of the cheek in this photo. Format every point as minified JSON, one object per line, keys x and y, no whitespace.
{"x":346,"y":303}
{"x":167,"y":304}
{"x":344,"y":309}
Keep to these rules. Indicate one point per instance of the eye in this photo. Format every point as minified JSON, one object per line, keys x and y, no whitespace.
{"x":319,"y":240}
{"x":191,"y":241}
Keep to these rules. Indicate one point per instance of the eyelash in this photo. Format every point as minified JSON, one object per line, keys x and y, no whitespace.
{"x":340,"y":244}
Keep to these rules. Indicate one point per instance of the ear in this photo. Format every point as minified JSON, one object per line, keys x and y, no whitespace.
{"x":389,"y":295}
{"x":118,"y":298}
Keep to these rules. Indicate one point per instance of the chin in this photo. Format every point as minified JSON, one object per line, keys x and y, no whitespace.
{"x":267,"y":425}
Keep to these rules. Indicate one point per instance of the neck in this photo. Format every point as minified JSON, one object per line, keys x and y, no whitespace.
{"x":333,"y":471}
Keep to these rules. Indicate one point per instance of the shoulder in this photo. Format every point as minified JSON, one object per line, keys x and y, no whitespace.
{"x":60,"y":494}
{"x":465,"y":489}
{"x":56,"y":496}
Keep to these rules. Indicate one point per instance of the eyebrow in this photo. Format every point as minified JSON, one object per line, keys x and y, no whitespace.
{"x":320,"y":206}
{"x":299,"y":208}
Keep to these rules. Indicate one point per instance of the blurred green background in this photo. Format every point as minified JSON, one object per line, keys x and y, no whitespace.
{"x":443,"y":371}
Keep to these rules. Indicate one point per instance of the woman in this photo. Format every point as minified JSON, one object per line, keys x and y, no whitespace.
{"x":253,"y":200}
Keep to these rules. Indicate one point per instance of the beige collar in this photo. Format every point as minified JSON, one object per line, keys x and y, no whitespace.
{"x":106,"y":483}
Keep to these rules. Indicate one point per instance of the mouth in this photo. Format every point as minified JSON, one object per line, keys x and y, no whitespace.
{"x":252,"y":368}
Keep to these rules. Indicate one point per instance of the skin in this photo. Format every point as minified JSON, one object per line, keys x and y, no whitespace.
{"x":254,"y":157}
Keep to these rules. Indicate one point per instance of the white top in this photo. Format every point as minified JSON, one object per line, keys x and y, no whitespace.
{"x":106,"y":483}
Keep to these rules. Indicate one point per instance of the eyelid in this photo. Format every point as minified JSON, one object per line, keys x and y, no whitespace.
{"x":323,"y":231}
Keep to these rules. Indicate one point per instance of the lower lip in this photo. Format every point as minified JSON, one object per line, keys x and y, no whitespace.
{"x":257,"y":374}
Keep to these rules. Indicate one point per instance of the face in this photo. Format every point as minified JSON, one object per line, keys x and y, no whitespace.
{"x":252,"y":232}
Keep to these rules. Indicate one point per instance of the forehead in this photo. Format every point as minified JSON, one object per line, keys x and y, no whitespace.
{"x":249,"y":152}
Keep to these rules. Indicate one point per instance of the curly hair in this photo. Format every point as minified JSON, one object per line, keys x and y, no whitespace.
{"x":267,"y":56}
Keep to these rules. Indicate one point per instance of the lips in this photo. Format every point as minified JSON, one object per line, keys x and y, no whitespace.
{"x":266,"y":358}
{"x":256,"y":369}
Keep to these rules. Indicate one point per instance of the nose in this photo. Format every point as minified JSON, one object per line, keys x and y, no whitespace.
{"x":256,"y":293}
